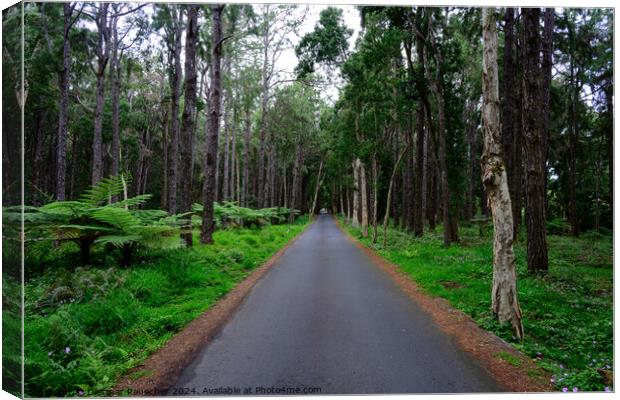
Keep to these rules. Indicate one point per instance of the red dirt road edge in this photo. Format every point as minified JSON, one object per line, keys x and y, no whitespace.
{"x":163,"y":368}
{"x":510,"y":368}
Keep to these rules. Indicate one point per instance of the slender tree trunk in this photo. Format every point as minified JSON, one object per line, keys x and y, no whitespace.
{"x":263,"y":118}
{"x":188,"y":120}
{"x":208,"y":221}
{"x":547,"y":65}
{"x":175,"y":83}
{"x":316,"y":189}
{"x":246,"y":159}
{"x":573,"y":218}
{"x":364,"y":197}
{"x":164,"y":188}
{"x":63,"y":109}
{"x":115,"y":82}
{"x":504,"y":300}
{"x":103,"y":54}
{"x":437,"y":88}
{"x":375,"y":200}
{"x":535,"y":163}
{"x":418,"y":228}
{"x":295,"y":199}
{"x":509,"y":106}
{"x":389,"y":193}
{"x":356,"y":194}
{"x":226,"y":166}
{"x":233,"y":151}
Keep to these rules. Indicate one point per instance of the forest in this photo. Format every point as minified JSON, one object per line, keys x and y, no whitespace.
{"x":471,"y":147}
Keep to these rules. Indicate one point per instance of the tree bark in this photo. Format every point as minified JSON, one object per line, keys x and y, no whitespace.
{"x":188,"y":120}
{"x":103,"y":54}
{"x":246,"y":160}
{"x":363,"y":197}
{"x":509,"y":106}
{"x":535,"y":161}
{"x":418,"y":211}
{"x":547,"y":65}
{"x":375,"y":200}
{"x":316,"y":189}
{"x":208,"y":221}
{"x":263,"y":118}
{"x":63,"y":109}
{"x":115,"y":78}
{"x":356,"y":203}
{"x":389,"y":193}
{"x":504,"y":300}
{"x":175,"y":83}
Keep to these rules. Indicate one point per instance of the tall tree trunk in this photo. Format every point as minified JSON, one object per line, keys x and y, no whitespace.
{"x":175,"y":83}
{"x":363,"y":197}
{"x":233,"y":153}
{"x":535,"y":161}
{"x":547,"y":65}
{"x":356,"y":194}
{"x":431,"y":189}
{"x":103,"y":54}
{"x":263,"y":118}
{"x":115,"y":82}
{"x":208,"y":221}
{"x":316,"y":189}
{"x":573,"y":218}
{"x":375,"y":200}
{"x":63,"y":109}
{"x":509,"y":106}
{"x":165,"y":124}
{"x":389,"y":193}
{"x":418,"y":211}
{"x":246,"y":159}
{"x":189,"y":118}
{"x":226,"y":166}
{"x":295,"y":200}
{"x":504,"y":300}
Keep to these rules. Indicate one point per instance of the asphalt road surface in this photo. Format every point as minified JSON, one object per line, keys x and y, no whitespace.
{"x":325,"y":317}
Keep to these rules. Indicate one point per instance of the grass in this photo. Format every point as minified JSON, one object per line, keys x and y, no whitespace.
{"x":567,"y":314}
{"x":87,"y":326}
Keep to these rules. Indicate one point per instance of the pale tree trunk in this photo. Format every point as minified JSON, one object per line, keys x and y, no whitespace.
{"x":263,"y":119}
{"x":349,"y":207}
{"x":389,"y":193}
{"x":245,"y":191}
{"x":356,"y":185}
{"x":226,"y":166}
{"x":188,"y":120}
{"x":363,"y":197}
{"x":504,"y":300}
{"x":233,"y":159}
{"x":208,"y":221}
{"x":316,"y":189}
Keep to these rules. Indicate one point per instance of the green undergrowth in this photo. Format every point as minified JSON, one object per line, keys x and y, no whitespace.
{"x":86,"y":326}
{"x":567,"y":314}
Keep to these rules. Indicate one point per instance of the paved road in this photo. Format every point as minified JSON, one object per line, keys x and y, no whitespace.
{"x":326,"y":317}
